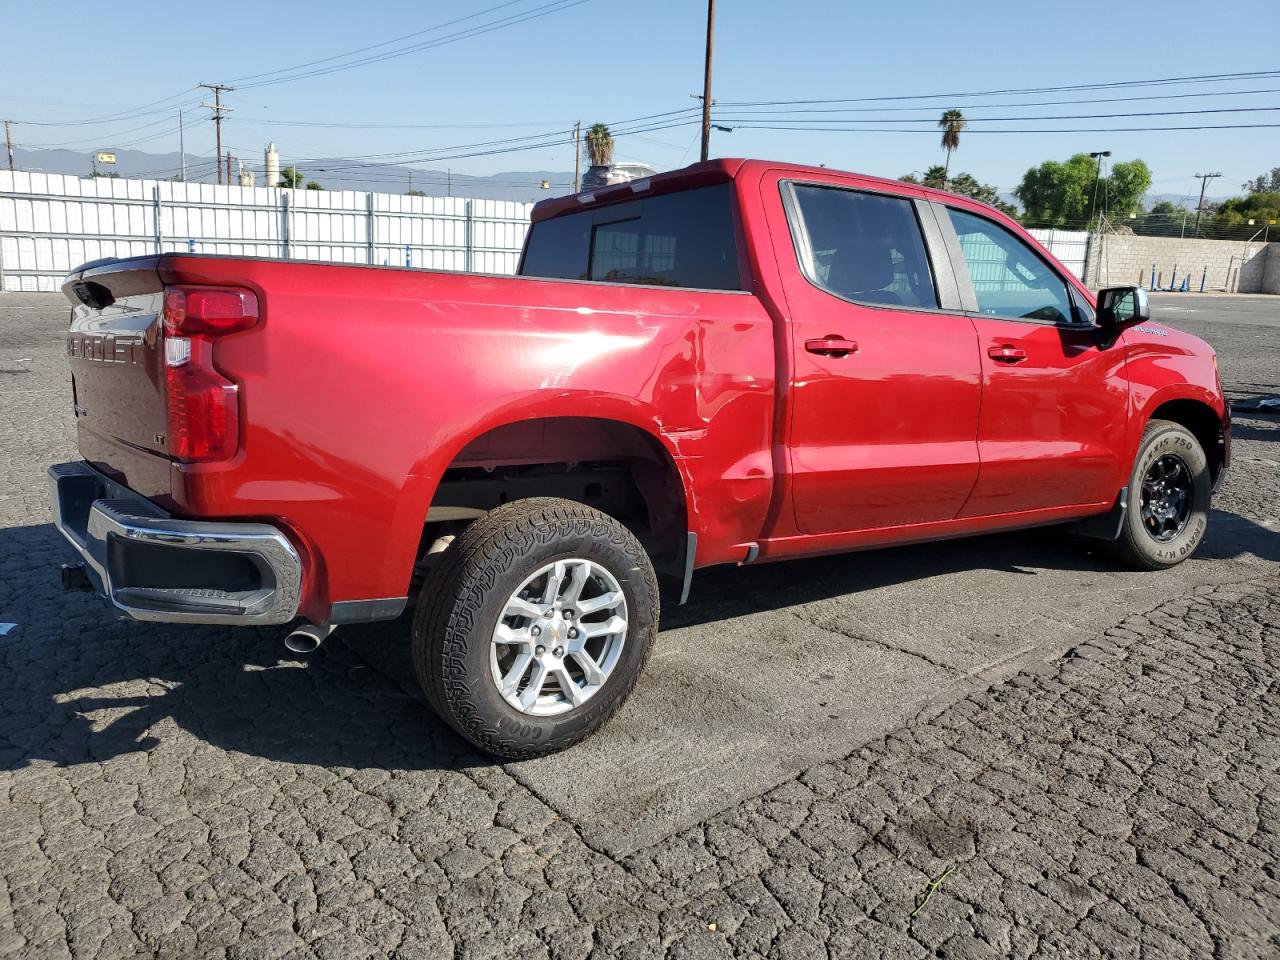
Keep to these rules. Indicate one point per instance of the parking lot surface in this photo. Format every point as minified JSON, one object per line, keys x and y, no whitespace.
{"x":1074,"y":758}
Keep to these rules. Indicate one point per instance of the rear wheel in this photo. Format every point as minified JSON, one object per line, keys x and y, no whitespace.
{"x":1169,"y":494}
{"x":535,"y":625}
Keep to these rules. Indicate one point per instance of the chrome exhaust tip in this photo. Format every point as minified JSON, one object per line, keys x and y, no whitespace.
{"x":309,"y":636}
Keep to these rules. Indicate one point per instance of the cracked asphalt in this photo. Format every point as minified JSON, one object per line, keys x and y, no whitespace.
{"x":1002,"y":747}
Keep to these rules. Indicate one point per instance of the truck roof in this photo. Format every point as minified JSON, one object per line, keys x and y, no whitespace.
{"x":702,"y":174}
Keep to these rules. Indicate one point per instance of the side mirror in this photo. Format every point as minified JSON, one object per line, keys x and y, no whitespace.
{"x":1122,"y":306}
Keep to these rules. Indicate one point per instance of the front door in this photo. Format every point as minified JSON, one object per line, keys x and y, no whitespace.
{"x":884,"y":382}
{"x":1054,"y":399}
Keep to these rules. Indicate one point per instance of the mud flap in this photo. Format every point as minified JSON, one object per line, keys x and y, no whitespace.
{"x":1105,"y":526}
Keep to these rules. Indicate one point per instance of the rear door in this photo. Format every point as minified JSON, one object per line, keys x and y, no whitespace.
{"x":884,"y":369}
{"x":1055,"y":399}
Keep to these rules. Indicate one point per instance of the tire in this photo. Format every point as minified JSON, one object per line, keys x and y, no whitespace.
{"x":466,"y":599}
{"x":1156,"y":540}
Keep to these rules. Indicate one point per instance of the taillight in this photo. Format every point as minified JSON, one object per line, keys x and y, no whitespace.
{"x":211,"y":311}
{"x":203,"y":405}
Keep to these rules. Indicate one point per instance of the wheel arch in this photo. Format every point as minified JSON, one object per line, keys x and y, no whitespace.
{"x":558,"y":454}
{"x":1204,"y":422}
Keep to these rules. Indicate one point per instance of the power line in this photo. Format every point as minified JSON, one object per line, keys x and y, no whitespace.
{"x":1203,"y":78}
{"x":347,"y":125}
{"x":619,"y":127}
{"x":556,"y":6}
{"x":731,"y":118}
{"x":1026,"y":103}
{"x":104,"y":138}
{"x":120,"y":116}
{"x":374,"y":46}
{"x":968,"y":131}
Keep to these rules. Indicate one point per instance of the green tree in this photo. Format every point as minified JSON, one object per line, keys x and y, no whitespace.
{"x":415,"y":193}
{"x":312,"y":185}
{"x":951,"y":123}
{"x":1232,"y":218}
{"x":935,"y":177}
{"x":964,"y":184}
{"x":599,"y":145}
{"x":1060,"y":194}
{"x":1165,"y":219}
{"x":290,"y":177}
{"x":1268,"y":182}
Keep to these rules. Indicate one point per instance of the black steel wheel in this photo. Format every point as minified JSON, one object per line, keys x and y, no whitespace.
{"x":1169,"y":494}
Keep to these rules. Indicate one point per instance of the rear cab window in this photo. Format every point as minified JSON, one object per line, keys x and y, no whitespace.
{"x":682,"y":239}
{"x":863,"y":247}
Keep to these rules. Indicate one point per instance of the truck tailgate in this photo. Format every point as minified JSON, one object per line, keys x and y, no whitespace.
{"x":116,"y":353}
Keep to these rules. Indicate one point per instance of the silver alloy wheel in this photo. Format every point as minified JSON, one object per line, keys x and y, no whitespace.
{"x":559,"y":637}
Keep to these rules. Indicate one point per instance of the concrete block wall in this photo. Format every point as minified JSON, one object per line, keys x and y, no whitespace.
{"x":1232,"y":265}
{"x":1271,"y":274}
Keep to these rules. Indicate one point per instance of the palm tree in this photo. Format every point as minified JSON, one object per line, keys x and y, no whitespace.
{"x":599,"y":145}
{"x":951,"y":124}
{"x":936,"y":176}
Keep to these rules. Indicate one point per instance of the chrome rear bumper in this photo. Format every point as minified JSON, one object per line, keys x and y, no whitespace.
{"x":152,"y":566}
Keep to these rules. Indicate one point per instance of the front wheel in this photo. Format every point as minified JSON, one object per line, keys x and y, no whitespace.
{"x":534,"y":627}
{"x":1169,"y":494}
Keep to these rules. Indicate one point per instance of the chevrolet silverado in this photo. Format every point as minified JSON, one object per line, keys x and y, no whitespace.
{"x":733,"y":363}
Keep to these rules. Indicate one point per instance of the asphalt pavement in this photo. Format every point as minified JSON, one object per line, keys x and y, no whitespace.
{"x":1075,"y":759}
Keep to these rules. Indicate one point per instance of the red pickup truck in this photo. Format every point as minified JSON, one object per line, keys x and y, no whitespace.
{"x":736,"y":362}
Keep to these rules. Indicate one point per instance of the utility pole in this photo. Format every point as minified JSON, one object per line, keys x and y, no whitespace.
{"x":228,"y":168}
{"x":577,"y":155}
{"x":182,"y":147}
{"x":8,"y":141}
{"x":218,"y":111}
{"x":1097,"y":178}
{"x":706,"y":82}
{"x":1204,"y":179}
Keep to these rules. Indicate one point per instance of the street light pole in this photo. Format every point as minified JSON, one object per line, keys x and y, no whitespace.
{"x":706,"y":82}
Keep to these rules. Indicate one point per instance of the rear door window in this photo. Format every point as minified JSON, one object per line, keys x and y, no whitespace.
{"x":864,"y":247}
{"x":683,"y":239}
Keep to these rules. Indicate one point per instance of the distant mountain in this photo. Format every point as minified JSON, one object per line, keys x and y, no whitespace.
{"x":335,"y":174}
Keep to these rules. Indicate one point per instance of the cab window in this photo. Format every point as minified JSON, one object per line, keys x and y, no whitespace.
{"x":682,"y":239}
{"x":863,"y":247}
{"x":1009,"y":278}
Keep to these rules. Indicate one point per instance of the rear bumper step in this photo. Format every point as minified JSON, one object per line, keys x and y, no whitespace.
{"x":152,"y":566}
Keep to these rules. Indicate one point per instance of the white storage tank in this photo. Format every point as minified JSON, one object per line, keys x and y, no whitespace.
{"x":271,"y":167}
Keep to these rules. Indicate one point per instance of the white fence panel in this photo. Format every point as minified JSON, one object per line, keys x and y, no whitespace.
{"x":50,"y":224}
{"x":1071,"y":247}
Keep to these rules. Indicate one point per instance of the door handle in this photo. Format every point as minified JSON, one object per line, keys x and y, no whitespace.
{"x":831,"y":346}
{"x":1007,"y":353}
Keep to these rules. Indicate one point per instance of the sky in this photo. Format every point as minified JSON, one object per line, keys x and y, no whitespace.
{"x":493,"y":71}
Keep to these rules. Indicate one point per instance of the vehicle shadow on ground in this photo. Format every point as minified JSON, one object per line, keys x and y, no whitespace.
{"x":79,"y":686}
{"x":1241,"y":431}
{"x":722,"y":592}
